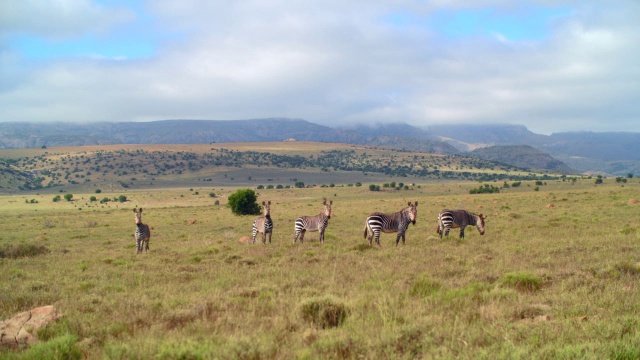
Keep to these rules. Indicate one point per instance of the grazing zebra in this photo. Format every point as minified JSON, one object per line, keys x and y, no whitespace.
{"x":313,"y":223}
{"x":143,"y":234}
{"x":390,"y":223}
{"x":263,"y":224}
{"x":448,"y":219}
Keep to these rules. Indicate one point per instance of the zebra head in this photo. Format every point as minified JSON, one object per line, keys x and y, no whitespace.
{"x":412,"y":212}
{"x":480,"y":223}
{"x":327,"y":208}
{"x":138,"y":213}
{"x":267,"y":208}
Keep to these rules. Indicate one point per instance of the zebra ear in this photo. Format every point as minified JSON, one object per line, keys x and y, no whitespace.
{"x":141,"y":210}
{"x":269,"y":202}
{"x":331,"y":202}
{"x":263,"y":203}
{"x":135,"y":210}
{"x":416,"y":203}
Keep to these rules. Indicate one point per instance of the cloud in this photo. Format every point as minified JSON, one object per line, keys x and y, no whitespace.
{"x":337,"y":62}
{"x":59,"y":19}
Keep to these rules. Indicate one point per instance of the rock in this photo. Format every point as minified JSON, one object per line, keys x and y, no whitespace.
{"x":20,"y":329}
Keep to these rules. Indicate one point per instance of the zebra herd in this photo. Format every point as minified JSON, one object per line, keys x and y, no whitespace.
{"x":375,"y":224}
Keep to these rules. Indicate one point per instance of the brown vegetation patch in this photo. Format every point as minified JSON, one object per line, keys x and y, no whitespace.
{"x":245,"y":240}
{"x":634,"y":201}
{"x":549,"y":206}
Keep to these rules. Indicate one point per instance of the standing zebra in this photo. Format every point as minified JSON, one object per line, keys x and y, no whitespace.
{"x":390,"y":223}
{"x":313,"y":223}
{"x":263,"y":224}
{"x":143,"y":234}
{"x":448,"y":219}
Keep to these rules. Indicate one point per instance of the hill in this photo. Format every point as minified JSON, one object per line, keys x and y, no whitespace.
{"x":522,"y":156}
{"x":277,"y":163}
{"x":608,"y":153}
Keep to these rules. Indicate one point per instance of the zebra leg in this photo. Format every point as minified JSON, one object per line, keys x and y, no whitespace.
{"x":446,"y":231}
{"x":377,"y":232}
{"x":462,"y":232}
{"x":302,"y":232}
{"x":146,"y":245}
{"x":270,"y":234}
{"x":321,"y":236}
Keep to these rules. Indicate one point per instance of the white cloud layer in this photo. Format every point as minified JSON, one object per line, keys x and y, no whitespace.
{"x":330,"y":62}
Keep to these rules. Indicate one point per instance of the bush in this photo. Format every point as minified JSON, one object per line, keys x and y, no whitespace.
{"x":486,"y":189}
{"x":374,"y":187}
{"x":93,"y":198}
{"x":68,"y":197}
{"x":56,"y":198}
{"x":122,"y":198}
{"x":243,"y":202}
{"x":299,"y":184}
{"x":212,"y":195}
{"x":324,"y":312}
{"x":22,"y":250}
{"x":98,"y":191}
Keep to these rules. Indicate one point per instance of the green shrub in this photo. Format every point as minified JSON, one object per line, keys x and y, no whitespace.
{"x":243,"y":202}
{"x":324,"y":312}
{"x":68,"y":197}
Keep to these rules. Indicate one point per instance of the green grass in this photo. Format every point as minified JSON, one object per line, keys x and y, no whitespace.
{"x":558,"y":282}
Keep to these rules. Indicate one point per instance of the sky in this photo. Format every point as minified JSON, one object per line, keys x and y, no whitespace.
{"x":551,"y":65}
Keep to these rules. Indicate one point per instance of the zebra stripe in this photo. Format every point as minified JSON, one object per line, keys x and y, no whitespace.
{"x":313,"y":223}
{"x":143,"y":234}
{"x":263,"y":224}
{"x":390,"y":223}
{"x":448,"y":219}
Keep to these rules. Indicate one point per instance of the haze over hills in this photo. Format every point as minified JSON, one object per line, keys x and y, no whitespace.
{"x":609,"y":153}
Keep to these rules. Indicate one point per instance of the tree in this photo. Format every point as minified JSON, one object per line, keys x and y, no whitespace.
{"x":243,"y":202}
{"x":93,"y":198}
{"x":98,"y":191}
{"x":122,"y":198}
{"x":68,"y":197}
{"x":56,"y":198}
{"x":299,"y":184}
{"x":374,"y":187}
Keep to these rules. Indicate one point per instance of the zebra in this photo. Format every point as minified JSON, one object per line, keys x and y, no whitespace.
{"x":390,"y":223}
{"x":263,"y":224}
{"x":448,"y":219}
{"x":143,"y":234}
{"x":313,"y":223}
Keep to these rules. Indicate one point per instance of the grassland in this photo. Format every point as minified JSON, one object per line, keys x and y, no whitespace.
{"x":557,"y":281}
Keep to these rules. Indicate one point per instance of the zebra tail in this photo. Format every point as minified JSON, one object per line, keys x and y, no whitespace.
{"x":365,"y":231}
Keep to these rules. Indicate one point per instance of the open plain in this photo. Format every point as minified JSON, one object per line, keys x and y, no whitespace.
{"x":555,"y":276}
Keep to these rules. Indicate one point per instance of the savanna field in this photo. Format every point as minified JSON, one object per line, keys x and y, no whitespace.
{"x":555,"y":276}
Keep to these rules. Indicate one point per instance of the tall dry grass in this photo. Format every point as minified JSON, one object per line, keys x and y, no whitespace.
{"x":557,"y":282}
